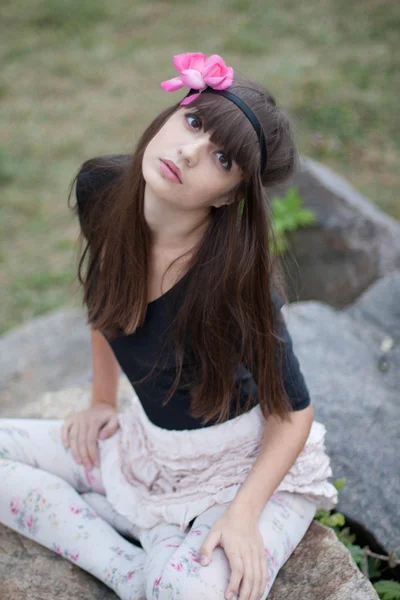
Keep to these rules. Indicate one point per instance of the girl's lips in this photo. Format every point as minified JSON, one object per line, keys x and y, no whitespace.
{"x":169,"y":174}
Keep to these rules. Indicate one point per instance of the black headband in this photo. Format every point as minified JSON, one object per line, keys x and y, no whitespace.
{"x":249,"y":114}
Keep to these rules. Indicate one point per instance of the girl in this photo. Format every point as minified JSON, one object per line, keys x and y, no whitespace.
{"x":219,"y":453}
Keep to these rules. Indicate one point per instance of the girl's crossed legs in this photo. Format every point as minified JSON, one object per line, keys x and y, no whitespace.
{"x":48,"y":497}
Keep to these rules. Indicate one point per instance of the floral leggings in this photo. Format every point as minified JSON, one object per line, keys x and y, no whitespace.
{"x":46,"y":496}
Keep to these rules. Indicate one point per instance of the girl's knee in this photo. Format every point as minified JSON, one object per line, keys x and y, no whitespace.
{"x":183,"y":577}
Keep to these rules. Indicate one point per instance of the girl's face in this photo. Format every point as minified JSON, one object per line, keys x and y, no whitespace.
{"x":207,"y":175}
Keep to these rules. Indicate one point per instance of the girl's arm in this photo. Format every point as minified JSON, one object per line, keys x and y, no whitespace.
{"x":106,"y":371}
{"x":282,"y":443}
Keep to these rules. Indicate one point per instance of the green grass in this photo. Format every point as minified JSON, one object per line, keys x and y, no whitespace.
{"x":80,"y":79}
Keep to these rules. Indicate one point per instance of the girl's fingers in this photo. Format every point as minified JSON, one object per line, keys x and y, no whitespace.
{"x":73,"y":440}
{"x":82,"y":443}
{"x":64,"y":433}
{"x":92,"y":436}
{"x":236,"y":565}
{"x":264,"y":574}
{"x":257,"y":577}
{"x":109,"y":429}
{"x":248,"y":578}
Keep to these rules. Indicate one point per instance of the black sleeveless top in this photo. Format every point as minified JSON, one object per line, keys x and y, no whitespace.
{"x":138,"y":352}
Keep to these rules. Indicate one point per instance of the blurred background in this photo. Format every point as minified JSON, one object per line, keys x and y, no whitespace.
{"x":81,"y":78}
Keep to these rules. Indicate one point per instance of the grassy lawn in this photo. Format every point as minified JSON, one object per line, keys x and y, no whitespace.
{"x":82,"y":78}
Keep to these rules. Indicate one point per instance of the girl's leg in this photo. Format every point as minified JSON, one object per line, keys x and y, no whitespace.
{"x":39,"y":483}
{"x":101,"y":505}
{"x":283,"y":523}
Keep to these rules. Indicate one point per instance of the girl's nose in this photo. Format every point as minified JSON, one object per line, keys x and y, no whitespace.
{"x":193,"y":151}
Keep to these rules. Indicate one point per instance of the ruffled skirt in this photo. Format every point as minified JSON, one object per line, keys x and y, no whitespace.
{"x":154,"y":475}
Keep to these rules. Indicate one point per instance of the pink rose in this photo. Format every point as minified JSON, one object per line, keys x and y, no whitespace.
{"x":216,"y":74}
{"x":198,"y":71}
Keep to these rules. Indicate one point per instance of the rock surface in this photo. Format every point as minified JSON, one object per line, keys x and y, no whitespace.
{"x":330,"y":572}
{"x":320,"y":568}
{"x":355,"y":389}
{"x":351,"y":244}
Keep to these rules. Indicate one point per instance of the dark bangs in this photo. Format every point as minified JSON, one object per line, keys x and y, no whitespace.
{"x":230,"y":130}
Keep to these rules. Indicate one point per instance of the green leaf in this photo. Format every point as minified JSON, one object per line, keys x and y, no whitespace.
{"x":330,"y":520}
{"x":337,"y":519}
{"x":346,"y":537}
{"x":339,"y":483}
{"x":388,"y":589}
{"x":321,"y":514}
{"x":357,"y":553}
{"x":374,"y":567}
{"x":288,"y":212}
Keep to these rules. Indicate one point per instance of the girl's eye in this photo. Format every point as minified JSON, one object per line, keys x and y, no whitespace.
{"x":228,"y":163}
{"x":191,"y":116}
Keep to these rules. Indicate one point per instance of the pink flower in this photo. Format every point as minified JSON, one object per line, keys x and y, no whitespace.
{"x":58,"y":550}
{"x":30,"y":521}
{"x":15,"y":506}
{"x":177,"y":566}
{"x":195,"y":532}
{"x":131,"y":574}
{"x":194,"y":556}
{"x":75,"y":509}
{"x":197,"y":72}
{"x":74,"y":556}
{"x":157,"y":581}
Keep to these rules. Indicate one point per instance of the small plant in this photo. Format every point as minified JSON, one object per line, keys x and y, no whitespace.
{"x":289,"y":215}
{"x":369,"y":563}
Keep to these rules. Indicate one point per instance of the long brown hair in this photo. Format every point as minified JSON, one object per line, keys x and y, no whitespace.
{"x":227,"y":316}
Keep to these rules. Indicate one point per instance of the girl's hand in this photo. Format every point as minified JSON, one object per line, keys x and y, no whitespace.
{"x":242,"y":542}
{"x":81,"y":432}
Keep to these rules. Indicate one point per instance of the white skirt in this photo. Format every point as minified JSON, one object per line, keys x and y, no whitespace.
{"x":154,"y":475}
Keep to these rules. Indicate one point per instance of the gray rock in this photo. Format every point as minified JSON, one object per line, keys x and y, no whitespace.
{"x":48,"y":353}
{"x":351,"y":244}
{"x":340,"y":355}
{"x":320,"y":568}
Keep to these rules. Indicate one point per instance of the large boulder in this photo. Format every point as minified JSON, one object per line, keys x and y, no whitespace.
{"x":320,"y":568}
{"x":351,"y":244}
{"x":351,"y":362}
